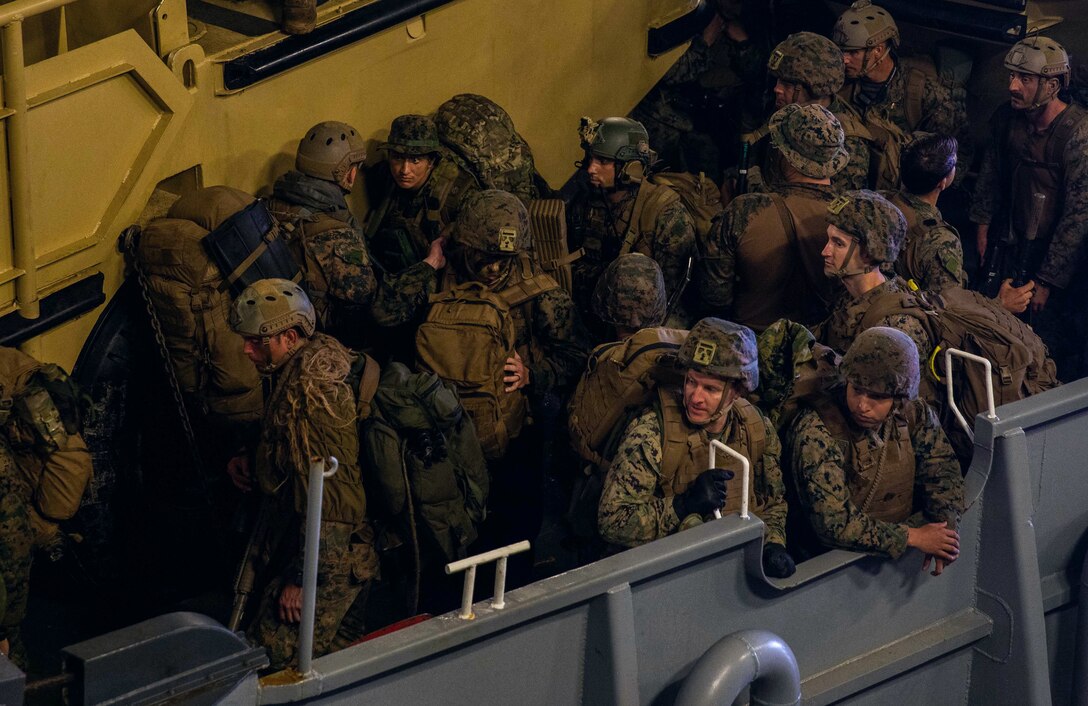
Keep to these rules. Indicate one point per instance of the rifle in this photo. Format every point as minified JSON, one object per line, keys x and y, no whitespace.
{"x":247,"y":570}
{"x":675,"y":299}
{"x":991,"y":265}
{"x":742,"y":168}
{"x":1027,"y":254}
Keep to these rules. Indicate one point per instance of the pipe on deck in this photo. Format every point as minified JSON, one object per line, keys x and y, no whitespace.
{"x":756,"y":657}
{"x":1080,"y":664}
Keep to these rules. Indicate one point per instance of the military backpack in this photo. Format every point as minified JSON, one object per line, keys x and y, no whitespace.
{"x":794,"y":368}
{"x":699,"y":194}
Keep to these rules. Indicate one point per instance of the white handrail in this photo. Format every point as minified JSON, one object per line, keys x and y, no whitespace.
{"x":469,"y":564}
{"x":992,"y":411}
{"x":746,"y":470}
{"x":315,"y":491}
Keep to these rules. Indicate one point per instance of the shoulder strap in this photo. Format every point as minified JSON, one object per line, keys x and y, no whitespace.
{"x":789,"y":225}
{"x":831,"y":415}
{"x":528,"y":289}
{"x":650,"y":202}
{"x":376,"y":217}
{"x":754,"y":428}
{"x":674,"y":437}
{"x":915,"y":92}
{"x":897,"y":303}
{"x":1063,"y":131}
{"x":366,"y":371}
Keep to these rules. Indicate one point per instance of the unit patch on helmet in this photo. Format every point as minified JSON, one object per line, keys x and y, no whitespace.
{"x":775,"y":60}
{"x":508,"y":239}
{"x":704,"y":352}
{"x":1016,"y":57}
{"x":838,"y":204}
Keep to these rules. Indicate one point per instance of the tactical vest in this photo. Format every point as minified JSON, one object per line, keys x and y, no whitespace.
{"x":919,"y":232}
{"x":685,"y":450}
{"x":1034,"y":163}
{"x":805,"y":223}
{"x":880,"y":479}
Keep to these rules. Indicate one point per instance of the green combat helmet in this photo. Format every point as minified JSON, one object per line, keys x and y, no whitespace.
{"x":329,"y":150}
{"x":412,"y":135}
{"x":631,"y":293}
{"x":493,"y":222}
{"x":271,"y":306}
{"x":723,"y":349}
{"x":863,"y":26}
{"x":1039,"y":56}
{"x":810,"y":60}
{"x":811,"y":138}
{"x":621,"y":139}
{"x":882,"y":360}
{"x":872,"y":220}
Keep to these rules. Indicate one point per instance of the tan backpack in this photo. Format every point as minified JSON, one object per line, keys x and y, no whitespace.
{"x":618,"y":382}
{"x":699,"y":194}
{"x":467,"y":337}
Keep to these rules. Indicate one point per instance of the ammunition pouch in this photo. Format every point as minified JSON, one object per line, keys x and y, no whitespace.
{"x":246,"y":247}
{"x":37,"y":410}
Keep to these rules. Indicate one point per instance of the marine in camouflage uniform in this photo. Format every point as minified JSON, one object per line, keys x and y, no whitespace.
{"x":45,"y":468}
{"x":713,"y":93}
{"x":932,"y":255}
{"x":327,"y":242}
{"x":868,"y":234}
{"x":618,"y":211}
{"x":1038,"y":145}
{"x":310,"y":413}
{"x":878,"y":484}
{"x":630,"y":295}
{"x":762,"y":261}
{"x":659,"y":480}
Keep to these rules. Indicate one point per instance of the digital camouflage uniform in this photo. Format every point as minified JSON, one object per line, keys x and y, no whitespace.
{"x":309,"y":413}
{"x":16,"y":548}
{"x":940,"y":113}
{"x":631,"y":293}
{"x":637,"y":500}
{"x":762,"y":260}
{"x":841,"y":474}
{"x":711,"y":95}
{"x":932,"y":255}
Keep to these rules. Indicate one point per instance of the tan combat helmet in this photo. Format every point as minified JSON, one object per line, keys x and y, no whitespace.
{"x":329,"y":150}
{"x":271,"y":306}
{"x":882,"y":360}
{"x":864,"y":26}
{"x":1040,"y":56}
{"x":811,"y":139}
{"x":871,"y":220}
{"x":811,"y":60}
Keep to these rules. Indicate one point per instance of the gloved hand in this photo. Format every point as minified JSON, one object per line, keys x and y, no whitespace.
{"x":777,"y":562}
{"x":705,"y":495}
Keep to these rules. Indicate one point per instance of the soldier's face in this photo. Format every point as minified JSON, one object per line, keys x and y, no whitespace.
{"x":601,"y":171}
{"x":704,"y":395}
{"x":267,"y":356}
{"x":410,"y":171}
{"x":868,"y":409}
{"x":786,"y":93}
{"x":853,"y":62}
{"x":1024,"y":90}
{"x":836,"y":253}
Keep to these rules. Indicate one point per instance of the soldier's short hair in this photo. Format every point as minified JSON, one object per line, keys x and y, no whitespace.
{"x":926,"y":160}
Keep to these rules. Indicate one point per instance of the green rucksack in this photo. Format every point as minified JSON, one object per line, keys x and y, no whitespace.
{"x":794,"y":369}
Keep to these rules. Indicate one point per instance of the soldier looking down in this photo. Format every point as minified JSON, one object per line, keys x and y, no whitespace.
{"x":863,"y":454}
{"x":630,"y":295}
{"x":658,"y":482}
{"x":310,"y":413}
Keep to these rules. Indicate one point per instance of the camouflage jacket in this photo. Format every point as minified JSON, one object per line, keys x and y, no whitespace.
{"x":549,"y":329}
{"x":932,"y":255}
{"x":634,"y":508}
{"x":819,"y":466}
{"x":670,"y":242}
{"x":750,"y":272}
{"x":940,"y":113}
{"x":855,"y":175}
{"x":311,"y":412}
{"x":1065,"y":251}
{"x":16,"y":544}
{"x":844,"y":324}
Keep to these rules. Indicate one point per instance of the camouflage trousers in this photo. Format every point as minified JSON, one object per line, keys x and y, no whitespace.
{"x":16,"y":547}
{"x":340,"y":587}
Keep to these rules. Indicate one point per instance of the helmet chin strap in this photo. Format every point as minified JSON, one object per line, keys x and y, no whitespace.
{"x":866,"y":66}
{"x":723,"y":408}
{"x":842,"y":272}
{"x":1036,"y":104}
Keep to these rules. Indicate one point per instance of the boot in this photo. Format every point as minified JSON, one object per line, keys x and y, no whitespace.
{"x":299,"y":16}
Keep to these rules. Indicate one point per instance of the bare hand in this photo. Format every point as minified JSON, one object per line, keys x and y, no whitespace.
{"x":938,"y":565}
{"x":5,"y":647}
{"x":981,"y":238}
{"x":1015,"y":299}
{"x":290,"y":604}
{"x":238,"y":470}
{"x":713,"y":30}
{"x":516,"y":375}
{"x":436,"y":258}
{"x":735,"y":31}
{"x":936,"y":539}
{"x":1038,"y":301}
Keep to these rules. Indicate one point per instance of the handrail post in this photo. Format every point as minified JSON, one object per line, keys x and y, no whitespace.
{"x":746,"y":469}
{"x":991,"y":411}
{"x":469,"y":564}
{"x":26,"y":285}
{"x":316,"y":490}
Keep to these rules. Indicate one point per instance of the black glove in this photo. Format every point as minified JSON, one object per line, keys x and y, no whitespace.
{"x":777,"y":562}
{"x":705,"y":495}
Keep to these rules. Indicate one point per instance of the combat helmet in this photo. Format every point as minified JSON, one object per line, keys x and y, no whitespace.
{"x":412,"y":135}
{"x":631,"y":292}
{"x":863,"y":26}
{"x":621,"y":139}
{"x":271,"y":306}
{"x":493,"y":222}
{"x":723,"y":349}
{"x":882,"y":360}
{"x":872,"y":220}
{"x":1039,"y":56}
{"x":810,"y":60}
{"x":329,"y":150}
{"x":811,"y":138}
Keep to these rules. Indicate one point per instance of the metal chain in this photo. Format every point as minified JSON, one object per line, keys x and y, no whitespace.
{"x":128,"y":244}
